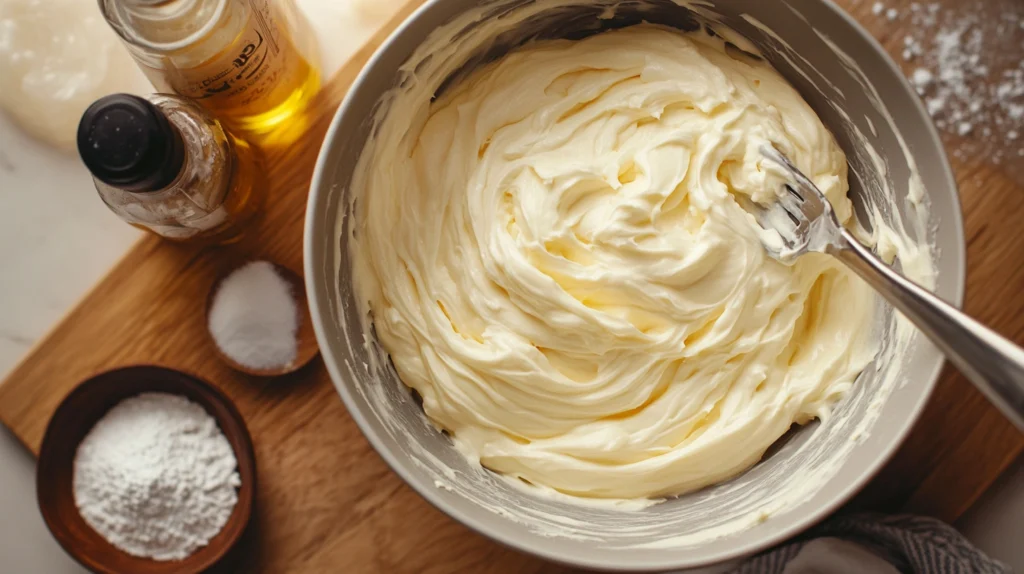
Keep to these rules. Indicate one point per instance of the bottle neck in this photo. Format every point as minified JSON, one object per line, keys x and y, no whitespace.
{"x":165,"y":25}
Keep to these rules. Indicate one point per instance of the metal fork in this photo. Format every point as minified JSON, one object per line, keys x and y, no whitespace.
{"x":805,"y":221}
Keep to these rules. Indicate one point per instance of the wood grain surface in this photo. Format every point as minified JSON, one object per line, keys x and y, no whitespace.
{"x":327,"y":502}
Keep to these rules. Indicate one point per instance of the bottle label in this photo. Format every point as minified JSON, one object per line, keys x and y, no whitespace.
{"x":241,"y":79}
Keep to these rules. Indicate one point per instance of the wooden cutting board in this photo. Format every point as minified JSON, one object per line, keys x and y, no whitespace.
{"x":326,"y":502}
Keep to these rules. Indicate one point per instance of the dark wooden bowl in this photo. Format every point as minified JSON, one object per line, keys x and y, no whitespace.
{"x":307,"y":349}
{"x":76,"y":416}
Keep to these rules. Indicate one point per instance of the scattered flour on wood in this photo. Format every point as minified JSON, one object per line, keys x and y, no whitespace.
{"x":964,"y":61}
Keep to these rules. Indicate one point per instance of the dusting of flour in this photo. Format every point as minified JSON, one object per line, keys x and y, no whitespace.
{"x":964,"y":61}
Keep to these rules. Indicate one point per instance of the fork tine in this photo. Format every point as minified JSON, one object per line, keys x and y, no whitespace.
{"x":811,"y":202}
{"x":802,"y":206}
{"x":794,"y":193}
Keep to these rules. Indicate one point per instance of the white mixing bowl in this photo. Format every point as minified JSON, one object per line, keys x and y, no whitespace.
{"x":863,"y":98}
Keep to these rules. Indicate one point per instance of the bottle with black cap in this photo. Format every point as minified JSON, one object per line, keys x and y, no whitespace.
{"x":163,"y":164}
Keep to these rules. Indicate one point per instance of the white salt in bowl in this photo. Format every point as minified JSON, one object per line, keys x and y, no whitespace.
{"x":858,"y":92}
{"x":239,"y":320}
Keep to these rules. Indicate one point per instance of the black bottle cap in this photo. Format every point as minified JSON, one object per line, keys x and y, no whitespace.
{"x":127,"y":143}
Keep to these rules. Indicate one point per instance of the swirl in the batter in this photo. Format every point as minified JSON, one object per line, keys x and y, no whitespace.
{"x":556,"y":261}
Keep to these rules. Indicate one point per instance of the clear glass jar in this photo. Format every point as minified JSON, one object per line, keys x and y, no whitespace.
{"x":251,"y":63}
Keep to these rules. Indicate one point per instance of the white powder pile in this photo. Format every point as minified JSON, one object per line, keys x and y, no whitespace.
{"x":254,"y":318}
{"x":966,"y":65}
{"x":156,"y":477}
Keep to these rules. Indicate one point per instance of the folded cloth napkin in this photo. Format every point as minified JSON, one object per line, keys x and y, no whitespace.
{"x":876,"y":544}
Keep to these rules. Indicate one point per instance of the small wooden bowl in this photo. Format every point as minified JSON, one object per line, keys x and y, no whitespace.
{"x":307,"y":348}
{"x":76,"y":416}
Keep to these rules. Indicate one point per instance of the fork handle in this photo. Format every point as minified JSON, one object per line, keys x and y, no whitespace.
{"x":993,"y":363}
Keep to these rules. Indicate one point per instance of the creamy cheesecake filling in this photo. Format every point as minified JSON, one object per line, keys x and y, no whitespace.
{"x":556,"y":261}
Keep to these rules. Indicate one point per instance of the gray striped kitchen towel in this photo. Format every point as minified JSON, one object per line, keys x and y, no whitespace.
{"x":876,"y":544}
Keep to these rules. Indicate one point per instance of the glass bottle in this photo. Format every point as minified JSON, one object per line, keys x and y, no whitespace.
{"x":251,"y":63}
{"x":164,"y":165}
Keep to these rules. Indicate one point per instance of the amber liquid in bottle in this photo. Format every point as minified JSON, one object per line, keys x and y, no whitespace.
{"x":244,"y":61}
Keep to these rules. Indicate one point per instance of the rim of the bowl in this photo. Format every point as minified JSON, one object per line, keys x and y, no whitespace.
{"x":246,"y":508}
{"x":795,"y":523}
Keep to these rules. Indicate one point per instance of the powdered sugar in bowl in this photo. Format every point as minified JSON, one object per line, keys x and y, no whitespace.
{"x":113,"y":535}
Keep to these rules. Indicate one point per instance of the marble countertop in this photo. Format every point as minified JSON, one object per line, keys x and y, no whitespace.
{"x":57,"y":238}
{"x":56,"y":242}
